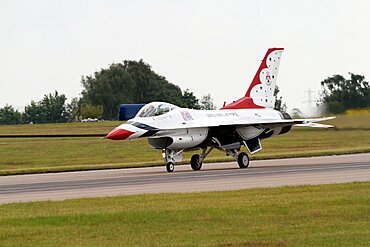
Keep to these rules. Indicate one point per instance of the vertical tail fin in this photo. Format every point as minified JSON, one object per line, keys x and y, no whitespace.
{"x":260,"y":93}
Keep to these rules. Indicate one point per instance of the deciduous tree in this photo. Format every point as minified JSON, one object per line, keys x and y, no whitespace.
{"x":130,"y":82}
{"x":206,"y":103}
{"x":51,"y":109}
{"x":10,"y":116}
{"x":279,"y":104}
{"x":189,"y":100}
{"x":340,"y":94}
{"x":89,"y":111}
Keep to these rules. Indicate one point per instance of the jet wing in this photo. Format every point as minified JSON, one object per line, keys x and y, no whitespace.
{"x":257,"y":122}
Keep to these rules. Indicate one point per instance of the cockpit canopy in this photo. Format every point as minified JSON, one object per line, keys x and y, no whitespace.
{"x":155,"y":109}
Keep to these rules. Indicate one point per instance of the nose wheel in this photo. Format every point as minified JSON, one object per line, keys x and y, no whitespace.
{"x":170,"y":167}
{"x":171,"y":156}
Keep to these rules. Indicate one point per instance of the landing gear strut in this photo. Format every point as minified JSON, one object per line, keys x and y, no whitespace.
{"x":234,"y":151}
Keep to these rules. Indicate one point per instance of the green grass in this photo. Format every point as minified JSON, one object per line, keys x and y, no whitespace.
{"x":63,"y":128}
{"x":35,"y":155}
{"x":324,"y":215}
{"x":356,"y":121}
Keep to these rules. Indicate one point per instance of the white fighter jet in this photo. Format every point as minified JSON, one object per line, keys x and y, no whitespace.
{"x":245,"y":121}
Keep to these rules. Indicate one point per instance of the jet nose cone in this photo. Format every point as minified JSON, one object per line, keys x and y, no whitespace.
{"x":119,"y":134}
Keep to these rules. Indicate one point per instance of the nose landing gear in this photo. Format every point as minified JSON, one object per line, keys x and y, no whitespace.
{"x":171,"y":156}
{"x":170,"y":167}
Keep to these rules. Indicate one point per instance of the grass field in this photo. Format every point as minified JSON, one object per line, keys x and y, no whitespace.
{"x":64,"y":128}
{"x":30,"y":155}
{"x":324,"y":215}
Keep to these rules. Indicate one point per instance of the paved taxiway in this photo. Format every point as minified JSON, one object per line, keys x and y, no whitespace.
{"x":219,"y":176}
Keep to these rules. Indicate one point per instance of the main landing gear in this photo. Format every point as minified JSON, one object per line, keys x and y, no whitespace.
{"x":243,"y":160}
{"x":195,"y":162}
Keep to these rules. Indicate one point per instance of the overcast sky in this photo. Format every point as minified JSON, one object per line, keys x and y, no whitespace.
{"x":207,"y":46}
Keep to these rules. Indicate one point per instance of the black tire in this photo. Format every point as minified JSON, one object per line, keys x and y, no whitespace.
{"x":170,"y":167}
{"x":243,"y":160}
{"x":195,"y":163}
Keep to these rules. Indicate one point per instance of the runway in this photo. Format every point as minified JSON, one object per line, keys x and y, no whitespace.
{"x":212,"y":177}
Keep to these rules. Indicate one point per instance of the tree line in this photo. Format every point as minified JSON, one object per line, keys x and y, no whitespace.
{"x":102,"y":94}
{"x":340,"y":94}
{"x":52,"y":108}
{"x":136,"y":82}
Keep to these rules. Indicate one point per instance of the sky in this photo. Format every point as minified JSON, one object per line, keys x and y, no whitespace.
{"x":206,"y":46}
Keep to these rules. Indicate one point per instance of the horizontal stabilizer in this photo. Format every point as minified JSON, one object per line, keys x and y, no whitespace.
{"x":313,"y":122}
{"x":315,"y":125}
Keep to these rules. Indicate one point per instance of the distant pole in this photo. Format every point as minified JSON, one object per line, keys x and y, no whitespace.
{"x":309,"y":98}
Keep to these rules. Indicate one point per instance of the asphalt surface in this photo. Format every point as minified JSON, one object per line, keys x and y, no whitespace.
{"x":212,"y":177}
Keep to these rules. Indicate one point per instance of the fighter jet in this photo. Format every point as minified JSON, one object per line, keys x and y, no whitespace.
{"x":244,"y":122}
